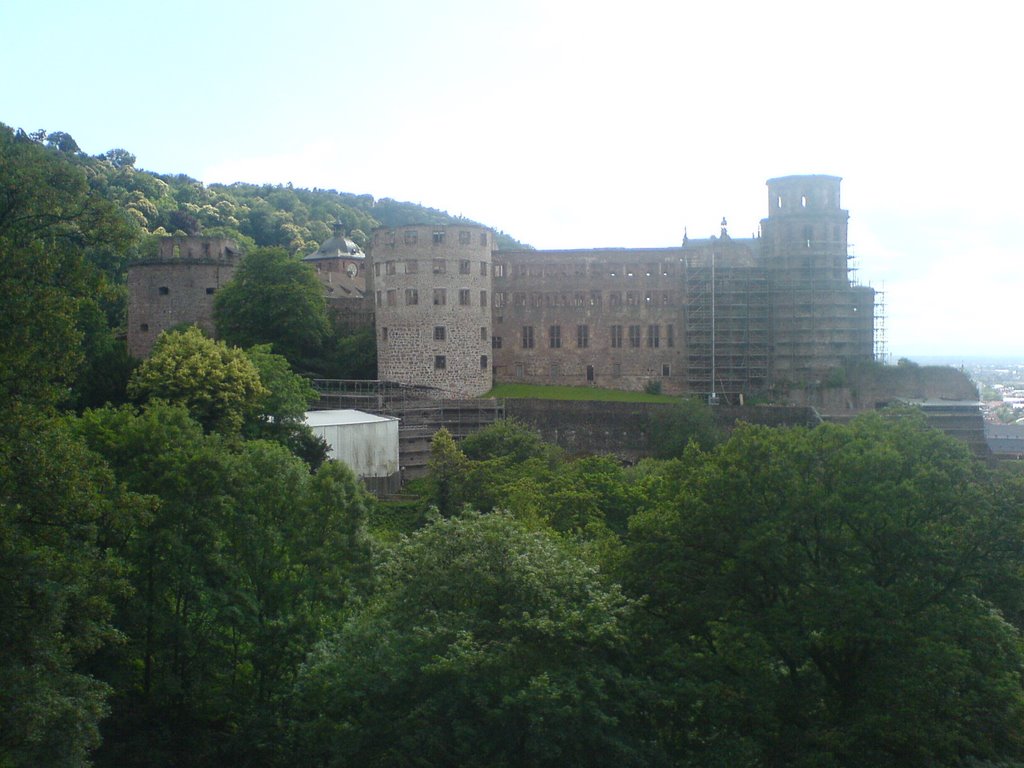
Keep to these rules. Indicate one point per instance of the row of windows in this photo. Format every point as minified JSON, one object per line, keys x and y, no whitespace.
{"x":586,"y":299}
{"x":441,"y":362}
{"x":583,"y":269}
{"x":440,"y":333}
{"x":437,"y":266}
{"x":440,"y":297}
{"x":437,"y":236}
{"x":634,"y":336}
{"x":555,"y":371}
{"x":163,"y":290}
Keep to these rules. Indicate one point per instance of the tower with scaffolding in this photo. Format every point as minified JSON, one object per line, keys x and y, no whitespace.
{"x":821,"y":320}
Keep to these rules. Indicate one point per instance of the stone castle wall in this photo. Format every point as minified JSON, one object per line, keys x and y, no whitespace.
{"x":431,"y":288}
{"x":177,"y":288}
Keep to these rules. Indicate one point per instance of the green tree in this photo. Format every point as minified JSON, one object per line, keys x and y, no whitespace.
{"x":274,"y":298}
{"x":280,"y":414}
{"x":246,"y":561}
{"x":815,"y":598}
{"x":51,"y":223}
{"x":505,"y":437}
{"x":60,"y":515}
{"x":218,"y":384}
{"x":446,"y":468}
{"x":672,"y":429}
{"x":485,"y":644}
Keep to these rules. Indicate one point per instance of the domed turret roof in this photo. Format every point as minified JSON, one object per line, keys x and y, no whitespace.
{"x":336,"y":247}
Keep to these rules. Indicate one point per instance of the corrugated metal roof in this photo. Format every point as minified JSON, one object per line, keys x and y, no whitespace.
{"x":343,"y":416}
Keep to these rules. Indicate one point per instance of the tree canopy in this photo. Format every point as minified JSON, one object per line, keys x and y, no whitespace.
{"x":273,"y":299}
{"x":218,"y":384}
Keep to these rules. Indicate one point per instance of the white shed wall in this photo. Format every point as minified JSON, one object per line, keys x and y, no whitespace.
{"x":370,"y":449}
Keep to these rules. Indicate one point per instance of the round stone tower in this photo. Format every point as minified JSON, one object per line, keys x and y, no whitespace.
{"x":431,"y":288}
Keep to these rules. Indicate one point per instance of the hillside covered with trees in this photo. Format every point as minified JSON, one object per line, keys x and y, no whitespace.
{"x":184,"y":580}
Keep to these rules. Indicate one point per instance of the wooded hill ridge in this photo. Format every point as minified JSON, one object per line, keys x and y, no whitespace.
{"x":253,"y":214}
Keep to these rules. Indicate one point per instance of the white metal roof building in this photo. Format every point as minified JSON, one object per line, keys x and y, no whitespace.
{"x":366,"y":442}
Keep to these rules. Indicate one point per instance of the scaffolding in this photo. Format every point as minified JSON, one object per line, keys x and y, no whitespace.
{"x":421,"y":412}
{"x":726,"y":322}
{"x":881,"y":348}
{"x":821,"y":318}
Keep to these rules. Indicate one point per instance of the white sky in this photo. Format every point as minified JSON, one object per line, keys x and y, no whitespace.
{"x":582,"y":124}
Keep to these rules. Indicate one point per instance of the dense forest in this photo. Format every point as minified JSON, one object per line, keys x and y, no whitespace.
{"x":184,"y":580}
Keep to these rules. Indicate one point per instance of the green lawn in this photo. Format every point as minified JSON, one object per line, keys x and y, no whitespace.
{"x":541,"y":392}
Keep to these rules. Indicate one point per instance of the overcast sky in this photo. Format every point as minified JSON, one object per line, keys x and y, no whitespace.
{"x":582,"y":124}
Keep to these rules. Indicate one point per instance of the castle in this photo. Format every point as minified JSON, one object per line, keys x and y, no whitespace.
{"x":721,"y":317}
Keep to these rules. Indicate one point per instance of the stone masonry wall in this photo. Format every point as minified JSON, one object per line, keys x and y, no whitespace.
{"x":177,"y":288}
{"x":431,"y":288}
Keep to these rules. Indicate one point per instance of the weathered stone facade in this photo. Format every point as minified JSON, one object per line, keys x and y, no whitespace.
{"x":431,"y":288}
{"x":717,"y":316}
{"x":177,"y":288}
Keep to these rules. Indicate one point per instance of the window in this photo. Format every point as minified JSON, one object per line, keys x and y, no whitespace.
{"x":520,"y":370}
{"x":389,"y":268}
{"x":518,"y":299}
{"x":634,"y":336}
{"x":495,"y":342}
{"x":483,"y":269}
{"x":615,"y":299}
{"x":616,"y":336}
{"x":555,"y":336}
{"x":378,"y":298}
{"x":376,"y":270}
{"x":582,"y":336}
{"x":670,"y":335}
{"x":666,"y":369}
{"x":483,"y":238}
{"x":500,"y":298}
{"x":163,"y":290}
{"x":463,"y":237}
{"x":412,"y":267}
{"x":483,"y":333}
{"x":483,"y":298}
{"x":440,"y":297}
{"x":463,"y":297}
{"x":411,"y":236}
{"x":439,"y":333}
{"x":438,"y":236}
{"x":654,"y":336}
{"x":210,"y":291}
{"x":383,"y":334}
{"x":412,"y":296}
{"x":439,"y":267}
{"x":616,"y":369}
{"x":440,"y":363}
{"x":391,"y":237}
{"x":483,"y":362}
{"x":595,"y":298}
{"x":579,"y":299}
{"x":590,"y":374}
{"x":527,"y":337}
{"x":463,"y":266}
{"x":392,"y":297}
{"x":144,"y":327}
{"x":499,"y":269}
